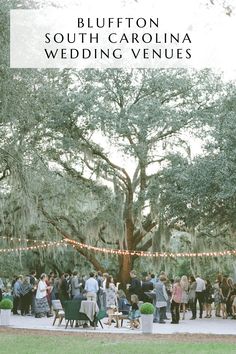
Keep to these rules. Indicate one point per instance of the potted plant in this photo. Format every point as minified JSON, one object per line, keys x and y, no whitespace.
{"x":147,"y":311}
{"x":5,"y":307}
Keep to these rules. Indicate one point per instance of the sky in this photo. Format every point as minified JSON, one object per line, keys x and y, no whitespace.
{"x":212,"y":30}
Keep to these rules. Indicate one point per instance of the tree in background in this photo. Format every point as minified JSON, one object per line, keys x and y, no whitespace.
{"x":104,"y":156}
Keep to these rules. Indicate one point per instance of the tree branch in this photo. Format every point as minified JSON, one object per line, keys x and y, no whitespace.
{"x":115,"y":167}
{"x":72,"y":226}
{"x":145,"y":246}
{"x":88,"y":254}
{"x":170,"y":132}
{"x":147,"y":226}
{"x":59,"y":229}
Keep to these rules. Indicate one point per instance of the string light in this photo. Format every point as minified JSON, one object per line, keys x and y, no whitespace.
{"x":149,"y":254}
{"x":43,"y":244}
{"x":16,"y":239}
{"x":35,"y":247}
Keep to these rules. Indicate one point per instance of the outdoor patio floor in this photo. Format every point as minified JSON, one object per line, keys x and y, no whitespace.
{"x":204,"y":326}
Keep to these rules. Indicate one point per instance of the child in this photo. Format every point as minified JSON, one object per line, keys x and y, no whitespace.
{"x":134,"y":312}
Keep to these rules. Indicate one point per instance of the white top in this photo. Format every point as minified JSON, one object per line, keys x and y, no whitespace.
{"x":91,"y":285}
{"x":41,"y":290}
{"x":104,"y":284}
{"x":201,"y":286}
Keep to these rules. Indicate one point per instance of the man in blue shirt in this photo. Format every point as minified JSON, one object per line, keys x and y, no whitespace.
{"x":91,"y":287}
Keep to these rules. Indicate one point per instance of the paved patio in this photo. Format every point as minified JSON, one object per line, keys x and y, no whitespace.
{"x":200,"y":326}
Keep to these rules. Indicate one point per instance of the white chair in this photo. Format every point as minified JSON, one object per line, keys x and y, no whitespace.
{"x":58,"y":310}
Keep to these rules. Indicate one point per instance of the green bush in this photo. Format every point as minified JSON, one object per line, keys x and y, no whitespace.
{"x":147,"y":308}
{"x":6,"y":304}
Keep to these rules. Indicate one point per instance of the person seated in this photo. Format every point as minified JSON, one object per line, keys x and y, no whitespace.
{"x":123,"y":303}
{"x":134,"y":313}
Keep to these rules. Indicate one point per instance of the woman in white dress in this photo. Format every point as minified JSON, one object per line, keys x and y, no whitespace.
{"x":41,"y":301}
{"x":184,"y":283}
{"x":111,"y":298}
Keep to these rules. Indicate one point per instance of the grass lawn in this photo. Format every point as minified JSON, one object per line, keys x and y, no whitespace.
{"x":30,"y":344}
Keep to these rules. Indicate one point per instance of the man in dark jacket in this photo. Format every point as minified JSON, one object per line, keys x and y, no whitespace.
{"x":147,"y":286}
{"x":135,"y":285}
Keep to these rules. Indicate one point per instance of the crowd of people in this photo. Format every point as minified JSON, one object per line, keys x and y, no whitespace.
{"x":33,"y":296}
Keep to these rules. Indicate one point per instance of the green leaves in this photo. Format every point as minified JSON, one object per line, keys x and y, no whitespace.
{"x":105,"y":156}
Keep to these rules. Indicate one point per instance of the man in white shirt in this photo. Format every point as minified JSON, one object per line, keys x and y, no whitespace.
{"x":200,"y":290}
{"x":91,"y":287}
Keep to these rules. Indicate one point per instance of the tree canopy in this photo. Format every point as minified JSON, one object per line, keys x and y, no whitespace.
{"x":107,"y":157}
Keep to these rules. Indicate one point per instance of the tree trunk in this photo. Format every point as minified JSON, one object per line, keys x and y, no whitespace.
{"x":126,"y":261}
{"x":125,"y":266}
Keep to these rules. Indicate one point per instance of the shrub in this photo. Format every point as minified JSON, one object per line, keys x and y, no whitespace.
{"x":6,"y":304}
{"x":147,"y":308}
